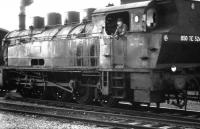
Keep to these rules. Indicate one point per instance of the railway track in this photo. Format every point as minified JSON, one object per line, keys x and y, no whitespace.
{"x":178,"y":115}
{"x":109,"y":117}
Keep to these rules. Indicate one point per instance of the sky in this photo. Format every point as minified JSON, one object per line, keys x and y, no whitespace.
{"x":9,"y":9}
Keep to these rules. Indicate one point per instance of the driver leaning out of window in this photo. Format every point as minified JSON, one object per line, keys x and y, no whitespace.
{"x":121,"y":29}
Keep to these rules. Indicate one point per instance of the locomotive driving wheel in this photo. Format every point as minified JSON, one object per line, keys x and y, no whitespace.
{"x":109,"y":101}
{"x":84,"y":95}
{"x":38,"y":92}
{"x":24,"y":92}
{"x":35,"y":92}
{"x":62,"y":95}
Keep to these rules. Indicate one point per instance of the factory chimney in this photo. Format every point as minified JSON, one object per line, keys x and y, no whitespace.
{"x":22,"y":14}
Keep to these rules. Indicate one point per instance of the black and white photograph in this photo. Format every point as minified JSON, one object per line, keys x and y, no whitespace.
{"x":100,"y":64}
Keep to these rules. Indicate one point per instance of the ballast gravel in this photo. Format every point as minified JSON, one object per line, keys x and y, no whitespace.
{"x":21,"y":121}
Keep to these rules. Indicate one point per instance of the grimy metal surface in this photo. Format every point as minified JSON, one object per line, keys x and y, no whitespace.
{"x":83,"y":45}
{"x":161,"y":34}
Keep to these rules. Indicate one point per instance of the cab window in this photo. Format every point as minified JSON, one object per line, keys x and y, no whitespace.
{"x":111,"y":21}
{"x":151,"y":18}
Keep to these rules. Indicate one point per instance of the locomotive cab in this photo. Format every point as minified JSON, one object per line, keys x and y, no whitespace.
{"x":114,"y":53}
{"x":158,"y":32}
{"x":142,"y":19}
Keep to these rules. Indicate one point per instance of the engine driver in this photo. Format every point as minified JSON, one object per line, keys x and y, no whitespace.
{"x":121,"y":29}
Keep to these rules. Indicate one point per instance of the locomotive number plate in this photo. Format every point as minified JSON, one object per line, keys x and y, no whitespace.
{"x":185,"y":38}
{"x":181,"y":38}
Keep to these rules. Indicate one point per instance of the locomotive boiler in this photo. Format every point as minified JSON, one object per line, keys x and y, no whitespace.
{"x":158,"y":59}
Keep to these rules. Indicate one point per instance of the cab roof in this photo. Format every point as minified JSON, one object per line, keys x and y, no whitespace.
{"x":123,"y":7}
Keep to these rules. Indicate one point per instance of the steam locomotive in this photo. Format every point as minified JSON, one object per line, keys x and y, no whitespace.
{"x":158,"y":60}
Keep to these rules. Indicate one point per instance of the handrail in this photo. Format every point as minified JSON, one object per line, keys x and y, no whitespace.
{"x":49,"y":38}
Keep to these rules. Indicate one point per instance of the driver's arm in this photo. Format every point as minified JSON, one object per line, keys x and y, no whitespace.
{"x":116,"y":32}
{"x":124,"y":30}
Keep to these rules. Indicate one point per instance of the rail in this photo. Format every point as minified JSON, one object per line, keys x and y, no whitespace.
{"x":112,"y":116}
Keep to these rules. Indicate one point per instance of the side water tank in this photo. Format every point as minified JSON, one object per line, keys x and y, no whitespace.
{"x":89,"y":12}
{"x":38,"y":22}
{"x":72,"y":17}
{"x":54,"y":19}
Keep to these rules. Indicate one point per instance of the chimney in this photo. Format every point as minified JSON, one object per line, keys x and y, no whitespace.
{"x":54,"y":19}
{"x":22,"y":14}
{"x":72,"y":17}
{"x":38,"y":22}
{"x":22,"y":21}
